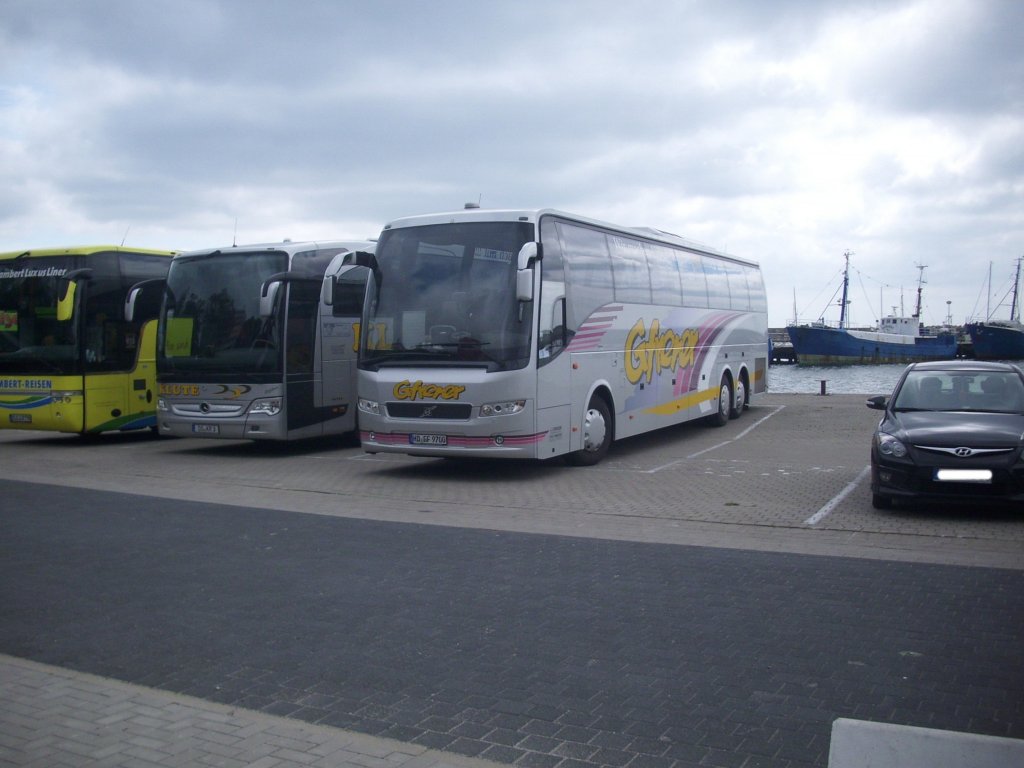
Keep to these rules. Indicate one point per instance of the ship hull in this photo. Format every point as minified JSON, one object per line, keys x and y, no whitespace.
{"x":997,"y":341}
{"x":839,"y":346}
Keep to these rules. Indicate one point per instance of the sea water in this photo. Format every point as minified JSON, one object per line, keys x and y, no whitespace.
{"x":839,"y":379}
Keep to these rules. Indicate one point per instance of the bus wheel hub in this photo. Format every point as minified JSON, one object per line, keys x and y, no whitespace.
{"x":593,"y":430}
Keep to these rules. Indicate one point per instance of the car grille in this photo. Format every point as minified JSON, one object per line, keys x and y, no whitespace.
{"x":450,"y":411}
{"x":965,"y":452}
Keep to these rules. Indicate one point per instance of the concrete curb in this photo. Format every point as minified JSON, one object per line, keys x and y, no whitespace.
{"x":862,"y":744}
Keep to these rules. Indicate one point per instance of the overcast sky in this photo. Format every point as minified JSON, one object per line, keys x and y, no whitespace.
{"x":784,"y":131}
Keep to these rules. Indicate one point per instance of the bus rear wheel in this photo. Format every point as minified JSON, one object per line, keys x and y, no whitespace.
{"x":721,"y":415}
{"x":739,"y":399}
{"x":597,"y":434}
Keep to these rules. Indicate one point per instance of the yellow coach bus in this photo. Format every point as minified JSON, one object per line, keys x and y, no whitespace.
{"x":69,"y":360}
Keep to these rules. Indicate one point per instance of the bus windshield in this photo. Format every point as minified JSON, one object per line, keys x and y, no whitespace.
{"x":32,"y":339}
{"x":445,"y":295}
{"x":210,"y":322}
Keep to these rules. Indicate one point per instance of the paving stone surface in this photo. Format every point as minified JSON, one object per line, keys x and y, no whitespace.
{"x":54,"y":717}
{"x":535,"y":650}
{"x":755,"y":483}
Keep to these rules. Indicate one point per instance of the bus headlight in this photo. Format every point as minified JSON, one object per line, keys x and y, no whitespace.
{"x":161,"y":404}
{"x":507,"y":408}
{"x":369,"y":406}
{"x":270,"y":406}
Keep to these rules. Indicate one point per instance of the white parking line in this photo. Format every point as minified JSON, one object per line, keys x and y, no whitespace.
{"x":740,"y":436}
{"x":824,"y":512}
{"x":758,"y":423}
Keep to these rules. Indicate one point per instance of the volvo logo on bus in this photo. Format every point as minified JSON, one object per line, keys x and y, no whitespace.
{"x":204,"y":407}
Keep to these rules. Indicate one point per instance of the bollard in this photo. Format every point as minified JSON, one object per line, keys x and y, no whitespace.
{"x":823,"y":387}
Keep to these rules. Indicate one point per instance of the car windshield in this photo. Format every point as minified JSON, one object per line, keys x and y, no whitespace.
{"x":974,"y":390}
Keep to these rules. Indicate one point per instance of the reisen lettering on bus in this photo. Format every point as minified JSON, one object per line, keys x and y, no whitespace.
{"x":417,"y":390}
{"x":649,"y":352}
{"x":26,"y":384}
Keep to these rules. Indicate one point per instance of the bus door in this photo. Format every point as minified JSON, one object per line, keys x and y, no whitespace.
{"x":120,"y":379}
{"x":138,"y":336}
{"x":554,"y":395}
{"x":341,"y":308}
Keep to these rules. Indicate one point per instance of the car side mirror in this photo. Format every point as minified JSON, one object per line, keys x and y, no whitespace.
{"x":877,"y":403}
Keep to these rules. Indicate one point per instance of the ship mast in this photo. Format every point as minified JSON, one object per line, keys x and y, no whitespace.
{"x":846,"y":285}
{"x":920,"y":283}
{"x":1014,"y":306}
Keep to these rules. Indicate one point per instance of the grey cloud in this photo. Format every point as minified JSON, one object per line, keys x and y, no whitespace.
{"x":347,"y":112}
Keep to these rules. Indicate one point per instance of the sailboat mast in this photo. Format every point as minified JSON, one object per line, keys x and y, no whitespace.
{"x":846,"y":285}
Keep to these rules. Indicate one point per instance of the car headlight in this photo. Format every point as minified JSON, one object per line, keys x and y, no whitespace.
{"x":890,"y":446}
{"x":369,"y":406}
{"x":270,"y":406}
{"x":506,"y":408}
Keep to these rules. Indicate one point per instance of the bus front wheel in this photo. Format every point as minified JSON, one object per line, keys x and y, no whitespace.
{"x":597,"y":434}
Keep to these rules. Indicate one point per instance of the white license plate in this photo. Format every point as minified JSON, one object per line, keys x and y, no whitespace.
{"x":206,"y":429}
{"x":963,"y":475}
{"x":428,"y":439}
{"x":21,"y":418}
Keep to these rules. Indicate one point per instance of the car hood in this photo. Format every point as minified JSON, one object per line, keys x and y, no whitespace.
{"x":941,"y":428}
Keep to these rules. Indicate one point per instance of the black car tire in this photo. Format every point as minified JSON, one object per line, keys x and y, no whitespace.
{"x":878,"y":501}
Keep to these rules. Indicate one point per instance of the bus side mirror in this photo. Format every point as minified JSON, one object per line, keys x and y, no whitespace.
{"x":66,"y":303}
{"x":143,"y":300}
{"x":268,"y":297}
{"x":344,"y":290}
{"x":66,"y":300}
{"x":129,"y":302}
{"x":361,"y":259}
{"x":524,"y":285}
{"x":529,"y":253}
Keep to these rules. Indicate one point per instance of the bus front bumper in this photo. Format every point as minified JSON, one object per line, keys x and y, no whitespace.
{"x":447,"y":444}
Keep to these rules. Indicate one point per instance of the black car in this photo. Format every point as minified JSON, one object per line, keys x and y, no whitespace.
{"x":952,"y":430}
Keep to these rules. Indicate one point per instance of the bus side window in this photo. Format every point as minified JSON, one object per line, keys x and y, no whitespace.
{"x":589,"y":266}
{"x":552,"y":334}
